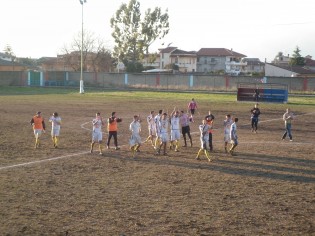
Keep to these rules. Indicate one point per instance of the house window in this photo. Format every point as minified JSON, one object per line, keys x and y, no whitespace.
{"x":205,"y":60}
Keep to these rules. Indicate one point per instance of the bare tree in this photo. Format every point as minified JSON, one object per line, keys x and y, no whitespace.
{"x":96,"y":57}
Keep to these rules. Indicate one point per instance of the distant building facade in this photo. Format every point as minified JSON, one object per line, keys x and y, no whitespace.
{"x":253,"y":65}
{"x":220,"y":59}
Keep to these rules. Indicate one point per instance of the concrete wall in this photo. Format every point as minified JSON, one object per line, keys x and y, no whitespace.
{"x":158,"y":81}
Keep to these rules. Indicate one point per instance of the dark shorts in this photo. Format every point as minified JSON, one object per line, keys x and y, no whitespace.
{"x":185,"y":130}
{"x":192,"y":111}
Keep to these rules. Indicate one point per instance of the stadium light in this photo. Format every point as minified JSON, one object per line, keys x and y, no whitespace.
{"x":81,"y":76}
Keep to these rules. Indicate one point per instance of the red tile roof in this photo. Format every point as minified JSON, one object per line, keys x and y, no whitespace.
{"x":167,"y":50}
{"x":178,"y":52}
{"x":309,"y":62}
{"x":218,"y":52}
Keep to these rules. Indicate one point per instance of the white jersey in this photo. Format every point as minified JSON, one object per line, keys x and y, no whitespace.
{"x":97,"y":125}
{"x":163,"y":130}
{"x":157,"y":119}
{"x":163,"y":126}
{"x":233,"y":134}
{"x":135,"y":127}
{"x":204,"y":136}
{"x":150,"y":121}
{"x":55,"y":122}
{"x":227,"y":126}
{"x":175,"y":123}
{"x":204,"y":132}
{"x":97,"y":134}
{"x":151,"y":125}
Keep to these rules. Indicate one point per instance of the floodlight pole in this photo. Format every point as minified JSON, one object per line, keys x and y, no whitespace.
{"x":81,"y":76}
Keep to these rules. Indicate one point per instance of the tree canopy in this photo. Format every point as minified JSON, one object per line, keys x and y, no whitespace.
{"x":133,"y":35}
{"x":297,"y":59}
{"x":9,"y":51}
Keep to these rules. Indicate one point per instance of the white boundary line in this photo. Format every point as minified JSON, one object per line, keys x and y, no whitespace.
{"x":81,"y":153}
{"x":264,"y":121}
{"x":40,"y":161}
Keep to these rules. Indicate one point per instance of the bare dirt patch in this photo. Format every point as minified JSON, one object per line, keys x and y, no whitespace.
{"x":267,"y":189}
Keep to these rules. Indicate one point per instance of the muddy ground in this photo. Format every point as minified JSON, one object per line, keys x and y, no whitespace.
{"x":267,"y":189}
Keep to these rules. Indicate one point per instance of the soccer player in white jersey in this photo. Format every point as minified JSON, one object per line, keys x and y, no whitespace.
{"x":55,"y":128}
{"x":175,"y":132}
{"x":204,"y":140}
{"x":157,"y":119}
{"x":163,"y":131}
{"x":151,"y":128}
{"x":227,"y":126}
{"x":97,"y":135}
{"x":233,"y":136}
{"x":135,"y":139}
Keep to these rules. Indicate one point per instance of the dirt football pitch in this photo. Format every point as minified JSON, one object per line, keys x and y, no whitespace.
{"x":268,"y":188}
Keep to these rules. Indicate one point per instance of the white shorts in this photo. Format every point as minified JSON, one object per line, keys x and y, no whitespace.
{"x":37,"y":133}
{"x":175,"y":134}
{"x":152,"y":131}
{"x":135,"y":139}
{"x":97,"y":136}
{"x":227,"y":138}
{"x":164,"y":137}
{"x":55,"y":132}
{"x":204,"y":143}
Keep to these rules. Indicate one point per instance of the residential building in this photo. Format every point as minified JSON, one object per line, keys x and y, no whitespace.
{"x":186,"y":61}
{"x":309,"y":62}
{"x":254,"y":65}
{"x":151,"y":60}
{"x":72,"y":62}
{"x":165,"y":56}
{"x":53,"y":64}
{"x":5,"y":57}
{"x":6,"y":65}
{"x":220,"y":60}
{"x":281,"y":59}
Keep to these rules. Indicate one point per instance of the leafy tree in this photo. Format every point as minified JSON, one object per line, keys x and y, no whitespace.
{"x":8,"y":51}
{"x":133,"y":35}
{"x":134,"y":67}
{"x":95,"y":56}
{"x":297,"y":59}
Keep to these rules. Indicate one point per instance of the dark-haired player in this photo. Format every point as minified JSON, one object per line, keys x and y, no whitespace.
{"x":255,"y":112}
{"x":112,"y":128}
{"x":233,"y":136}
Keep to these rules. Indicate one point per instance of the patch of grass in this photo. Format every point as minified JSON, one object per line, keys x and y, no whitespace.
{"x":136,"y":95}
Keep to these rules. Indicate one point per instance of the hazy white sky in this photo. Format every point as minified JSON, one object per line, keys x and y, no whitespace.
{"x":256,"y":28}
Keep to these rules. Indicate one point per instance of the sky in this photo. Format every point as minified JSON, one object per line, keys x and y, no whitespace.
{"x":255,"y":28}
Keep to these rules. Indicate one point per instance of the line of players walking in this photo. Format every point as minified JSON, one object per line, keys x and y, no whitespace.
{"x":158,"y":126}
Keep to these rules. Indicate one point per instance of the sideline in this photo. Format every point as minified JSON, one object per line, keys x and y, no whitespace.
{"x":45,"y":160}
{"x":82,"y":153}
